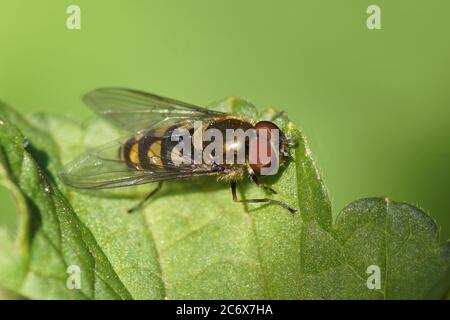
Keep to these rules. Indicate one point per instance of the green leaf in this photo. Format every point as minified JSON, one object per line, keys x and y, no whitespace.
{"x":192,"y":241}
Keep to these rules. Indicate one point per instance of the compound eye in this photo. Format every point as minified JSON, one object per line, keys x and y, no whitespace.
{"x":266,"y":125}
{"x":258,"y":155}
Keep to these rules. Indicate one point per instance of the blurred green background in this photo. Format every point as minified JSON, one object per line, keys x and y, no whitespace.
{"x":375,"y":104}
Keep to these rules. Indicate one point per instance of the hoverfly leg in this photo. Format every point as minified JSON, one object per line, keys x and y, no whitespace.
{"x":142,"y":202}
{"x":279,"y":203}
{"x":261,"y":185}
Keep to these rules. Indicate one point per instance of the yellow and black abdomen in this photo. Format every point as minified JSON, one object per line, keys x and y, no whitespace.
{"x":153,"y":150}
{"x":142,"y":152}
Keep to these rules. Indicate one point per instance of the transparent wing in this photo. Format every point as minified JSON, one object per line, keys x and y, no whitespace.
{"x":136,"y":110}
{"x":102,"y":168}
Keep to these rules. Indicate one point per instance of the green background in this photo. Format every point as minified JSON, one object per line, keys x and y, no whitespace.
{"x":375,"y":104}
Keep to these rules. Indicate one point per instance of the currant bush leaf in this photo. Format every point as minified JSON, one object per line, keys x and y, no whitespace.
{"x":191,"y":241}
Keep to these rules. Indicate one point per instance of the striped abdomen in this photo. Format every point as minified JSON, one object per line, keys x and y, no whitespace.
{"x":142,"y":151}
{"x":151,"y":150}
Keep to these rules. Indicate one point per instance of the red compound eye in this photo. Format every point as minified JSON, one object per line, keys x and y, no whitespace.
{"x":263,"y":131}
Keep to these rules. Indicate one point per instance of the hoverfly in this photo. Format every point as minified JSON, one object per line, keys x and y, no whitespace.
{"x":148,"y":155}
